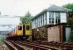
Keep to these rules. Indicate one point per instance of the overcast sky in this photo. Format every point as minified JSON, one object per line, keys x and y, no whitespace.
{"x":20,"y":7}
{"x":8,"y":23}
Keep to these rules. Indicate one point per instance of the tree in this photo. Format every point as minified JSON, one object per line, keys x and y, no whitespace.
{"x":70,"y":19}
{"x":69,"y":6}
{"x":26,"y":19}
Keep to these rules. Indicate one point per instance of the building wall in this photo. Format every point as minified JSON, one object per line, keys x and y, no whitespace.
{"x":56,"y":33}
{"x":40,"y":21}
{"x":49,"y":18}
{"x":63,"y":18}
{"x":50,"y":33}
{"x":40,"y":34}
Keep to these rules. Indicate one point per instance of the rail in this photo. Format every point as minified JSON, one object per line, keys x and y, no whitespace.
{"x":42,"y":45}
{"x":10,"y":45}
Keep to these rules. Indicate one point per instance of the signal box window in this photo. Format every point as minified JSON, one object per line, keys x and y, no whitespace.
{"x":19,"y":27}
{"x":27,"y":27}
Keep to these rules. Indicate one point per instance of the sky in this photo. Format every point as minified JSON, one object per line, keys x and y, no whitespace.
{"x":21,"y":7}
{"x":8,"y":23}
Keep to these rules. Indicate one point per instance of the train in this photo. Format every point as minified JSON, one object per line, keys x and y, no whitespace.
{"x":22,"y":32}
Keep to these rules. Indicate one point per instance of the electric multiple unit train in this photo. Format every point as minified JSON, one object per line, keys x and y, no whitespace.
{"x":23,"y":31}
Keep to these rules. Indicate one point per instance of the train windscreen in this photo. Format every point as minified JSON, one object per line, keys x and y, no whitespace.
{"x":19,"y":27}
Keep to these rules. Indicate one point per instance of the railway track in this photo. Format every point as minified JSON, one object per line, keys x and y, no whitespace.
{"x":42,"y":45}
{"x":10,"y":45}
{"x":48,"y":45}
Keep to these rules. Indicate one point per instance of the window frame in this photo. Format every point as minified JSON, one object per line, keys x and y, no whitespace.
{"x":51,"y":17}
{"x":57,"y":16}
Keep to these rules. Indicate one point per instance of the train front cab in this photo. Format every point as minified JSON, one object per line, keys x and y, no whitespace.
{"x":24,"y":31}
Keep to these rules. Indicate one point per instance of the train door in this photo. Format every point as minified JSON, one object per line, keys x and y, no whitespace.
{"x":67,"y":31}
{"x":28,"y":29}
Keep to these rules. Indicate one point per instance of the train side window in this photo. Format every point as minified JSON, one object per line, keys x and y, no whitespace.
{"x":19,"y":27}
{"x":27,"y":27}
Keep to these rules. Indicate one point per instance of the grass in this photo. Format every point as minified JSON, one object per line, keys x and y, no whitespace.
{"x":2,"y":45}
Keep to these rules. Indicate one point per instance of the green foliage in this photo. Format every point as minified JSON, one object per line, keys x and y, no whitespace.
{"x":69,"y":6}
{"x":70,"y":21}
{"x":26,"y":19}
